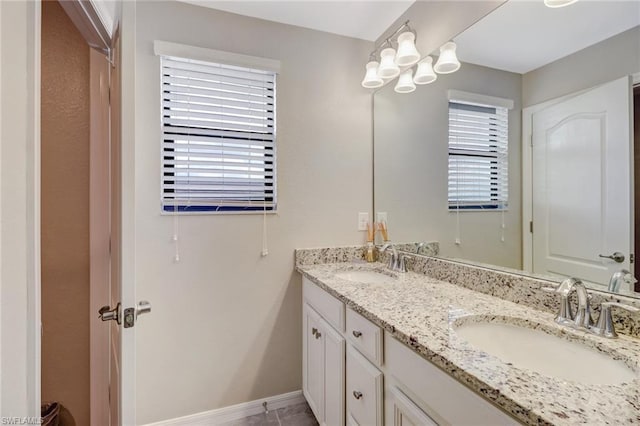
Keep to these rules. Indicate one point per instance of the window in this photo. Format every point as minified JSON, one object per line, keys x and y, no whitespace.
{"x":218,"y":137}
{"x":478,"y":156}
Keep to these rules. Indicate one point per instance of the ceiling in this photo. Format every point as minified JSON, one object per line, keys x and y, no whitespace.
{"x":523,"y":35}
{"x":364,"y":19}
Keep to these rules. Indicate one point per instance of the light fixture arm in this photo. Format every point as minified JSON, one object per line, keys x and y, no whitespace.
{"x":387,"y":42}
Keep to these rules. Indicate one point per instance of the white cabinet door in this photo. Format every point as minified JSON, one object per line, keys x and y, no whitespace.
{"x":313,"y":362}
{"x":364,"y":390}
{"x":334,"y":375}
{"x":401,"y":411}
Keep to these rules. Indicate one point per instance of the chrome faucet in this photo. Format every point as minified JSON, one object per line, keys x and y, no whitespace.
{"x":582,"y":319}
{"x":397,"y":262}
{"x":622,"y":276}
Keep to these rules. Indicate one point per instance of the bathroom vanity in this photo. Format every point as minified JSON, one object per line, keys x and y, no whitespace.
{"x":385,"y":349}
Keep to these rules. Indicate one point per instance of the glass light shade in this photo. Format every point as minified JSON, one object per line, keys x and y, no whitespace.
{"x":425,"y":73}
{"x":558,"y":3}
{"x":407,"y":52}
{"x":447,"y":61}
{"x":371,"y":79}
{"x":405,"y":82}
{"x":388,"y":68}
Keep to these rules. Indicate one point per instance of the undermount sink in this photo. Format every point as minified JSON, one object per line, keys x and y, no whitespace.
{"x":546,"y":354}
{"x":369,"y":277}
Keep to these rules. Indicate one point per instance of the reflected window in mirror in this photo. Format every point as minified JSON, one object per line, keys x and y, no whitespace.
{"x":478,"y":156}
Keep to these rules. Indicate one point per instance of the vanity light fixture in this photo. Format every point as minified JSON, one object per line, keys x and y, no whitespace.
{"x":405,"y":82}
{"x":407,"y":52}
{"x":392,"y":63}
{"x":447,"y":61}
{"x":558,"y":3}
{"x":371,"y":78}
{"x":425,"y":73}
{"x":388,"y":67}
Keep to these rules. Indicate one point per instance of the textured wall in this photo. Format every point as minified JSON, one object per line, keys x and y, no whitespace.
{"x":65,"y":214}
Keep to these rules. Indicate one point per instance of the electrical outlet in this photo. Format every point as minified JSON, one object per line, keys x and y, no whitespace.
{"x":381,"y":217}
{"x":363,"y":219}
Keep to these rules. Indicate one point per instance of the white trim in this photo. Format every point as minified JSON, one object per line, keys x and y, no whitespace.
{"x":104,"y":15}
{"x":475,"y":98}
{"x":127,"y":67}
{"x":235,"y":412}
{"x":165,"y":48}
{"x":34,"y":329}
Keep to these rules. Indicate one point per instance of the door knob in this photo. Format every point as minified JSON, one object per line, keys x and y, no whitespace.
{"x":616,"y":257}
{"x":143,"y":307}
{"x":107,"y":314}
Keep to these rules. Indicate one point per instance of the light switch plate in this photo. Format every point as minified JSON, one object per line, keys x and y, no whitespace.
{"x":363,"y":219}
{"x":381,"y":217}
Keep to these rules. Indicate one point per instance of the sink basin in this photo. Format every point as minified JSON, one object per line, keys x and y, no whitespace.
{"x":370,"y":277}
{"x":546,"y":354}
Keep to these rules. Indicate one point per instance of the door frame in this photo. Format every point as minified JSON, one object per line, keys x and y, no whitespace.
{"x":527,"y":171}
{"x":20,"y":210}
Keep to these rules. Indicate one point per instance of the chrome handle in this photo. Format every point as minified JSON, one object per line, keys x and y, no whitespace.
{"x":107,"y":314}
{"x":357,"y":395}
{"x":616,"y":257}
{"x":605,"y":326}
{"x":620,"y":305}
{"x":143,"y":307}
{"x":357,"y":333}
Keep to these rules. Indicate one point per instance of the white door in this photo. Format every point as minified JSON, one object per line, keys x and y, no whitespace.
{"x":581,"y":157}
{"x":334,"y":375}
{"x":123,"y":309}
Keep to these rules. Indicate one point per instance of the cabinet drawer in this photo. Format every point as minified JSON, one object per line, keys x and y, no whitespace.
{"x":365,"y":335}
{"x":330,"y":308}
{"x":364,"y":391}
{"x":438,"y":394}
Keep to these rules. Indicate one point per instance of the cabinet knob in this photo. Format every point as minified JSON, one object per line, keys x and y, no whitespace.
{"x":357,"y":395}
{"x":357,"y":333}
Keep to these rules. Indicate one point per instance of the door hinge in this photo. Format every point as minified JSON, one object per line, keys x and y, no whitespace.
{"x":531,"y":226}
{"x":632,"y":258}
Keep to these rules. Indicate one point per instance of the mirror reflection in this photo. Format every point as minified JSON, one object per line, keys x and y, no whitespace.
{"x":524,"y":158}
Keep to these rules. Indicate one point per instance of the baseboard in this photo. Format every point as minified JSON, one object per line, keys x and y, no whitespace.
{"x":234,"y":412}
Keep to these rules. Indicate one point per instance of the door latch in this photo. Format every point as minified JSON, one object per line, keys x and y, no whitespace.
{"x":131,"y":314}
{"x":107,"y":314}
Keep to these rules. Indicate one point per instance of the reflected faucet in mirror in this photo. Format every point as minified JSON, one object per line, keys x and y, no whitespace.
{"x":620,"y":277}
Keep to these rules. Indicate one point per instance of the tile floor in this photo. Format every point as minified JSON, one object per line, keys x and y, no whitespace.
{"x":295,"y":415}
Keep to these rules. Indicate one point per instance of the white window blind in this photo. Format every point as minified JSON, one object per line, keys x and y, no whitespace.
{"x":478,"y":156}
{"x":218,"y":137}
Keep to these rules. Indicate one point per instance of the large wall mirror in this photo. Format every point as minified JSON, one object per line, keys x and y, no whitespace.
{"x":523,"y":158}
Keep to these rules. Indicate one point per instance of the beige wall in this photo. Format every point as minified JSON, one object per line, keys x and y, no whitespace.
{"x":65,"y":214}
{"x":226,"y":323}
{"x":605,"y":61}
{"x":411,"y":168}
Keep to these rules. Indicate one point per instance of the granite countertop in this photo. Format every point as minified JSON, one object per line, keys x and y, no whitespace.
{"x":423,"y":312}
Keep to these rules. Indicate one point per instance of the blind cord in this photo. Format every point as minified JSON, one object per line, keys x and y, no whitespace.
{"x":176,"y":255}
{"x":265,"y":244}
